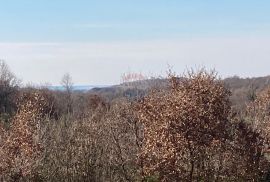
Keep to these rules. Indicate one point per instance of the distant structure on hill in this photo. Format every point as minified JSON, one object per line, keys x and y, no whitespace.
{"x":132,"y":77}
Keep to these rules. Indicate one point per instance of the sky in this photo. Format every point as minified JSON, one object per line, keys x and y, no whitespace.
{"x":97,"y":41}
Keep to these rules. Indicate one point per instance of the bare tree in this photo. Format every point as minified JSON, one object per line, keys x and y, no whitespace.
{"x":9,"y":85}
{"x":67,"y":83}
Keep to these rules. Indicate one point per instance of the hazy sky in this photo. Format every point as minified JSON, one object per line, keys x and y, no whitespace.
{"x":98,"y":40}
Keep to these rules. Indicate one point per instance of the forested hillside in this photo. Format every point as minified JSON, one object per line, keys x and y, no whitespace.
{"x":243,"y":90}
{"x":196,"y":127}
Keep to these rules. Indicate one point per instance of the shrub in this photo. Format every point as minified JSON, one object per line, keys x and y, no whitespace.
{"x":189,"y":134}
{"x":21,"y":148}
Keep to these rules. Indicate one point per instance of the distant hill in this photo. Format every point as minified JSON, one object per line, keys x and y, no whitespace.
{"x":78,"y":87}
{"x":243,"y":89}
{"x":130,"y":90}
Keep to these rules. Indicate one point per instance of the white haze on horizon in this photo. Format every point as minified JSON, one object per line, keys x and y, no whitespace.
{"x":103,"y":63}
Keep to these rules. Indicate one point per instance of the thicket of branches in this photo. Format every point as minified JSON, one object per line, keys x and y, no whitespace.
{"x":188,"y":131}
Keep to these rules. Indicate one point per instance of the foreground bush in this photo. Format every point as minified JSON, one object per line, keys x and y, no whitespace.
{"x":190,"y":136}
{"x":21,"y":149}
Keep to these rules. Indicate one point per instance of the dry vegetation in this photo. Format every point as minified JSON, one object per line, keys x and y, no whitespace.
{"x":188,"y":131}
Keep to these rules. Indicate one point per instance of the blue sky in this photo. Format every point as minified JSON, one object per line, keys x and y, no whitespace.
{"x":140,"y":36}
{"x":103,"y":20}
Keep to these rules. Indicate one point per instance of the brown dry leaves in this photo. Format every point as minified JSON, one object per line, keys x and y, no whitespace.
{"x":189,"y":136}
{"x":21,"y":148}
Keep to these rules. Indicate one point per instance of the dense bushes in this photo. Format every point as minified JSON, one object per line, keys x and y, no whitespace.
{"x":21,"y":148}
{"x":190,"y":134}
{"x":185,"y":132}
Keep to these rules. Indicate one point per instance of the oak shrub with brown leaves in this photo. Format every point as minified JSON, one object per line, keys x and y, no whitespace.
{"x":21,"y":148}
{"x":190,"y":134}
